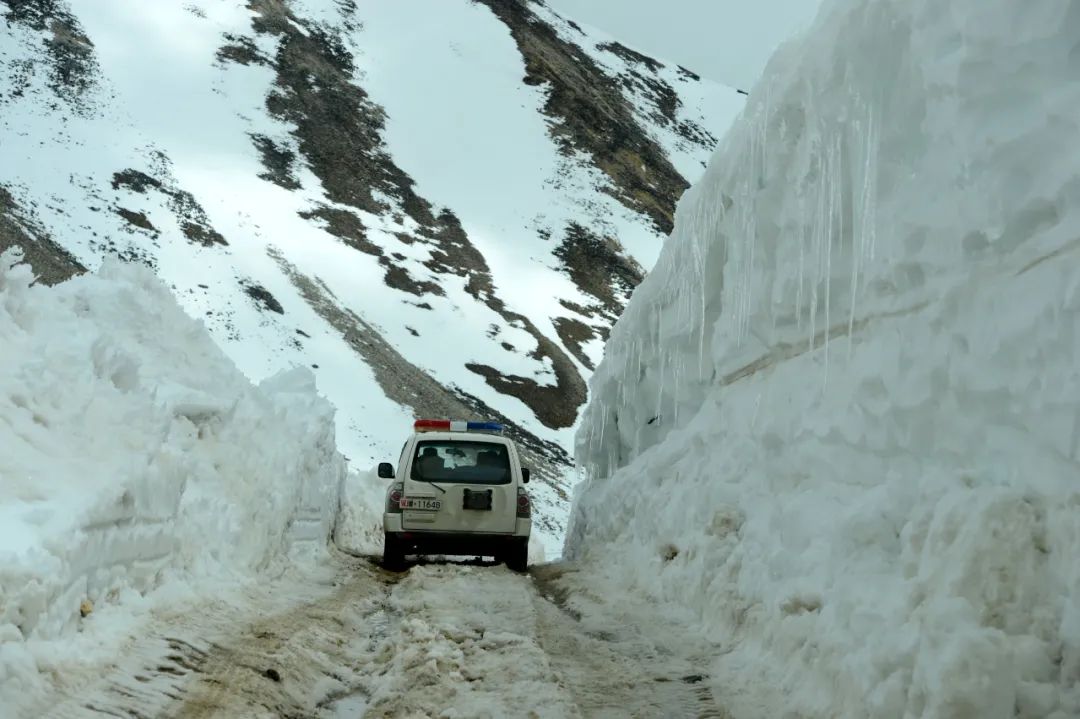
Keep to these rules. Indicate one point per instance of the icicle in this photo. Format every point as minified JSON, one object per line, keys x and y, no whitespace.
{"x":827,"y":268}
{"x":834,"y":189}
{"x":678,"y":380}
{"x":801,"y":239}
{"x":858,"y":241}
{"x":855,"y":254}
{"x":637,"y":352}
{"x":870,"y":185}
{"x":765,"y":126}
{"x":701,"y":319}
{"x":819,"y":221}
{"x":603,"y":422}
{"x":747,"y":310}
{"x":663,"y":361}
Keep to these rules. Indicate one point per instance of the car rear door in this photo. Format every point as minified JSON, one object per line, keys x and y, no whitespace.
{"x":460,"y":506}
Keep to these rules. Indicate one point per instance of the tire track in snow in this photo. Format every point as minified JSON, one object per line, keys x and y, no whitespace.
{"x":480,"y":641}
{"x":293,"y":663}
{"x":152,"y":676}
{"x":475,"y":641}
{"x":277,"y":651}
{"x":614,"y":670}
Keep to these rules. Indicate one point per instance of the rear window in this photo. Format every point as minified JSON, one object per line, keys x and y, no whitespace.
{"x":461,"y":461}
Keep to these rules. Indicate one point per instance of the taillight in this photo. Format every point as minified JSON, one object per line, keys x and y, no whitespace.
{"x":393,"y":498}
{"x":524,"y":506}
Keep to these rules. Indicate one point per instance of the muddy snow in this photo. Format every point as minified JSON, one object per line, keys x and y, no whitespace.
{"x":438,"y":640}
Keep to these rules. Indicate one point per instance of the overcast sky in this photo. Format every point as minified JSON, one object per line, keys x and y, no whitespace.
{"x":725,"y":40}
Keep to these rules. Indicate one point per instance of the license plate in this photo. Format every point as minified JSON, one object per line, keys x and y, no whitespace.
{"x":430,"y":505}
{"x":478,"y":500}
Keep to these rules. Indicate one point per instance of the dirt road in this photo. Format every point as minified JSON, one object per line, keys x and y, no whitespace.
{"x":439,"y":640}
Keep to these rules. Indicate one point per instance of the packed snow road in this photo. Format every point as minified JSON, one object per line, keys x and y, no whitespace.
{"x":439,"y":640}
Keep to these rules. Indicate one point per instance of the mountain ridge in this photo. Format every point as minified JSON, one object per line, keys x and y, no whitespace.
{"x":251,"y":158}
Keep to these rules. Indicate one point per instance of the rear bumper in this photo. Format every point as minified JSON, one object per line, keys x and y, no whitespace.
{"x":392,"y":524}
{"x":456,"y":543}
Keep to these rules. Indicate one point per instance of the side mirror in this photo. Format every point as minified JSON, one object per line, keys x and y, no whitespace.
{"x":525,"y":474}
{"x":386,"y":470}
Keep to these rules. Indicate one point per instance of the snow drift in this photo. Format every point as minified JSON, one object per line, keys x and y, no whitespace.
{"x":839,"y":418}
{"x":132,"y":451}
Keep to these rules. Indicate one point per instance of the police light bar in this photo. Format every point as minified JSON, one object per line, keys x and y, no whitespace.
{"x":446,"y":425}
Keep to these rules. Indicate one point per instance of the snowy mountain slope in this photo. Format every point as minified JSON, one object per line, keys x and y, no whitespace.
{"x":839,"y":417}
{"x":451,"y":193}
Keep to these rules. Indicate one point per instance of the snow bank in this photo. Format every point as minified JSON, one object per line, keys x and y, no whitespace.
{"x":359,"y":529}
{"x":840,"y":417}
{"x":133,"y":451}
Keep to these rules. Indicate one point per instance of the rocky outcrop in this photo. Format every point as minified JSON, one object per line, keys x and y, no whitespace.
{"x":591,"y":114}
{"x":51,"y":262}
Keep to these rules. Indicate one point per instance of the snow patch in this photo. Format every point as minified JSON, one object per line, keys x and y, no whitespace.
{"x":359,"y":527}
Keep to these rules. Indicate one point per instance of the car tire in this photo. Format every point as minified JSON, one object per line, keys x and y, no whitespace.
{"x":393,"y":553}
{"x":517,"y":556}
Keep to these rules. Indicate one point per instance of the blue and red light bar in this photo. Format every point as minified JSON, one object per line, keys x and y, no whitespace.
{"x":446,"y":425}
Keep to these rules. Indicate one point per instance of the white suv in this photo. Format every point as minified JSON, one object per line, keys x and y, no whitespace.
{"x":459,"y":490}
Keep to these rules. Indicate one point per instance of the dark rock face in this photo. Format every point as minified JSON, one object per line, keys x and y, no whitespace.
{"x":263,"y":299}
{"x":193,"y":220}
{"x":599,"y":267}
{"x":278,"y":161}
{"x":337,"y":126}
{"x":591,"y":114}
{"x":51,"y":263}
{"x":136,"y":219}
{"x":574,"y":334}
{"x":73,"y":68}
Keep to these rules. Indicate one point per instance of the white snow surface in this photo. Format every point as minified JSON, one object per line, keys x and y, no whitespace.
{"x":138,"y":459}
{"x":839,"y":418}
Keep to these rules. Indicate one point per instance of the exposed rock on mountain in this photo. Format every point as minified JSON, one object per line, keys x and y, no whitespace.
{"x":592,"y":114}
{"x":50,"y":262}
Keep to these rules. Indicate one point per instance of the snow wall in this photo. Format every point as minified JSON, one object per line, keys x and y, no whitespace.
{"x":841,"y":417}
{"x":132,"y":452}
